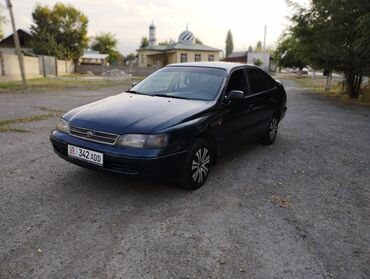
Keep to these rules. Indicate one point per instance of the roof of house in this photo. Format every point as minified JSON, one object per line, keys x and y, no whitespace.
{"x":93,"y":55}
{"x":24,"y":39}
{"x":179,"y":46}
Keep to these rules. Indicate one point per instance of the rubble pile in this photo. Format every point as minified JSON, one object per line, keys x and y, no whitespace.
{"x":114,"y":72}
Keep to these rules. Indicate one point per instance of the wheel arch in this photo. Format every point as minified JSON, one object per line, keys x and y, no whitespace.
{"x":208,"y":137}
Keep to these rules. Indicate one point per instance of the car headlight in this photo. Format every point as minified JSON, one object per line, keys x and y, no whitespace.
{"x":143,"y":141}
{"x":63,"y":126}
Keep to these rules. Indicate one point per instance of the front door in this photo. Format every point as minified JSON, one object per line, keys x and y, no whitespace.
{"x":237,"y":116}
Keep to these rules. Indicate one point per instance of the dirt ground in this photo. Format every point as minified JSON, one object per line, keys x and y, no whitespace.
{"x":297,"y":209}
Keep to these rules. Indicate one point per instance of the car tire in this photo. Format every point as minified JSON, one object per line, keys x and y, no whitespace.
{"x":197,"y":165}
{"x":271,"y":133}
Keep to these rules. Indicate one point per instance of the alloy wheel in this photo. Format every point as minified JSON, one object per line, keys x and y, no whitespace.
{"x":273,"y":129}
{"x":200,"y":165}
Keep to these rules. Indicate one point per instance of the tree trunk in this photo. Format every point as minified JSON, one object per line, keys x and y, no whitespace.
{"x":358,"y":85}
{"x":328,"y":81}
{"x":353,"y":85}
{"x":300,"y":72}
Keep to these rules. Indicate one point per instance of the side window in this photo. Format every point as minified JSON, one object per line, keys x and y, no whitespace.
{"x":259,"y":81}
{"x":237,"y":81}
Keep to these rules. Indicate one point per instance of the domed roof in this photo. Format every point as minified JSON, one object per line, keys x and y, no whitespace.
{"x":186,"y":37}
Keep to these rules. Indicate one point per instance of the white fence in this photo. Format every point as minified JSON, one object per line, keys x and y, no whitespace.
{"x":34,"y":67}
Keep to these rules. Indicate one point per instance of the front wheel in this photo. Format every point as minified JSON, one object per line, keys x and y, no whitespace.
{"x":197,"y":166}
{"x":271,"y":132}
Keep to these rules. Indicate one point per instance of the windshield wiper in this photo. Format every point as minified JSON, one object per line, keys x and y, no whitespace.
{"x":169,"y":96}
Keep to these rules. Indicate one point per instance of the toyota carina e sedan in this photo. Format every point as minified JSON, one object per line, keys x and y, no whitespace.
{"x":175,"y":123}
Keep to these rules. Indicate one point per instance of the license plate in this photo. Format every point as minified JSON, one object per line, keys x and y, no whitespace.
{"x":85,"y":154}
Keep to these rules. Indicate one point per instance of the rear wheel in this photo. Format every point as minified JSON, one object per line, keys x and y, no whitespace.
{"x":197,"y":166}
{"x":271,"y":132}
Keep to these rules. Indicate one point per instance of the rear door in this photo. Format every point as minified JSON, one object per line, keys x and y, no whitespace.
{"x":261,"y":99}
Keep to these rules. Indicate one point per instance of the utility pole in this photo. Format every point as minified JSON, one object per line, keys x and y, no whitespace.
{"x":17,"y":45}
{"x":264,"y":39}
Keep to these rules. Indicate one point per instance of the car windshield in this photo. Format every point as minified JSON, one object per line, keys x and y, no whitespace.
{"x":196,"y":83}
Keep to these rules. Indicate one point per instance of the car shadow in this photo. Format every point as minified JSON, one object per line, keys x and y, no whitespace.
{"x":95,"y":183}
{"x":89,"y":180}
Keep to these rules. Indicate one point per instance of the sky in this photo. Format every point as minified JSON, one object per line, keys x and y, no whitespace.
{"x":209,"y":20}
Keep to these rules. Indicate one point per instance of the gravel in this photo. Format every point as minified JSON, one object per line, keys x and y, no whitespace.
{"x":297,"y":209}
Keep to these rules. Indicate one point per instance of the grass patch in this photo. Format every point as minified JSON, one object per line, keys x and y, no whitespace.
{"x":66,"y":82}
{"x":336,"y":91}
{"x":7,"y":125}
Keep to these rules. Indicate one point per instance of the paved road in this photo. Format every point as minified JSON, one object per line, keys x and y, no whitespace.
{"x":61,"y":221}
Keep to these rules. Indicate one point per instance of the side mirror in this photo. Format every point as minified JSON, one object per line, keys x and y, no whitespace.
{"x":235,"y":95}
{"x":134,"y":83}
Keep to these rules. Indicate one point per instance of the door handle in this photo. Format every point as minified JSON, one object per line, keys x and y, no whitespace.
{"x":250,"y":106}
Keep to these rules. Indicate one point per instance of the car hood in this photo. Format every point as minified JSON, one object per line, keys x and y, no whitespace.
{"x":133,"y":113}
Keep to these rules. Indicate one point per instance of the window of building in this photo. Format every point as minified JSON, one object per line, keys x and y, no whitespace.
{"x":211,"y":57}
{"x":184,"y":57}
{"x":259,"y":81}
{"x":198,"y":57}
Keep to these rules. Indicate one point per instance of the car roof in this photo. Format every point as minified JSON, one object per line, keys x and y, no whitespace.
{"x":228,"y":66}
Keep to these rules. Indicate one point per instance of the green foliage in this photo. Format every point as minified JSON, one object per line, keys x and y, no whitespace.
{"x":144,"y":42}
{"x":198,"y":41}
{"x":59,"y":31}
{"x":229,"y":44}
{"x":258,"y":62}
{"x":250,"y":49}
{"x":166,"y":43}
{"x":335,"y":36}
{"x":130,"y":57}
{"x":362,"y":43}
{"x":2,"y":22}
{"x":289,"y":52}
{"x":106,"y":43}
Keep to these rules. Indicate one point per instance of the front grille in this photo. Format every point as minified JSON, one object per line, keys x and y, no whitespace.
{"x":92,"y":135}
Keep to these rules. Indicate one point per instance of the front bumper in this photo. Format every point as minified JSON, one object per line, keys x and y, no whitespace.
{"x":127,"y":161}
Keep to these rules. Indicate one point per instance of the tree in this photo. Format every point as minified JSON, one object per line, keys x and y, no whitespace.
{"x":130,"y":57}
{"x":198,"y":41}
{"x":144,"y":42}
{"x":250,"y":49}
{"x":258,"y":62}
{"x":106,"y":43}
{"x":229,"y":44}
{"x":335,"y":36}
{"x":59,"y":31}
{"x":289,"y":53}
{"x":258,"y":47}
{"x":166,"y":43}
